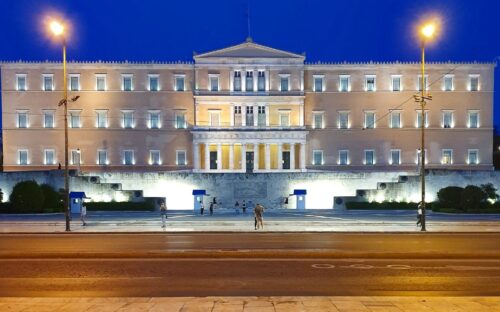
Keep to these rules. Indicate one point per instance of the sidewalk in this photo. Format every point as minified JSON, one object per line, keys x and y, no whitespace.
{"x":255,"y":304}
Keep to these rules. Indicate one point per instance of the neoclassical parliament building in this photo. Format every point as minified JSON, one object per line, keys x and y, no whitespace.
{"x":246,"y":108}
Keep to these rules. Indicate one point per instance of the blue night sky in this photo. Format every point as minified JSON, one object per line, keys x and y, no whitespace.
{"x":329,"y":30}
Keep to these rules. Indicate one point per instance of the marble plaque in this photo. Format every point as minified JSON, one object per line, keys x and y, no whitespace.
{"x":249,"y":191}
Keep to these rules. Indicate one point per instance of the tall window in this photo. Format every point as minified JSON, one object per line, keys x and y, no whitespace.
{"x":284,"y":119}
{"x":419,"y":81}
{"x":237,"y":115}
{"x":395,"y":157}
{"x":154,"y":120}
{"x":318,"y":157}
{"x":154,"y":83}
{"x":102,"y":118}
{"x":318,"y":83}
{"x":396,"y":82}
{"x":261,"y":117}
{"x":22,"y":119}
{"x":49,"y":157}
{"x":473,"y":119}
{"x":447,"y":157}
{"x":344,"y":83}
{"x":395,"y":121}
{"x":237,"y":81}
{"x":48,"y":82}
{"x":74,"y":119}
{"x":448,"y":83}
{"x":214,"y":82}
{"x":127,"y":82}
{"x":261,"y":82}
{"x":102,"y":157}
{"x":76,"y":157}
{"x":448,"y":119}
{"x":474,"y":82}
{"x":180,"y":82}
{"x":343,"y":121}
{"x":369,"y":157}
{"x":369,"y":120}
{"x":249,"y":116}
{"x":284,"y":83}
{"x":214,"y":118}
{"x":154,"y":157}
{"x":370,"y":83}
{"x":180,"y":120}
{"x":180,"y":158}
{"x":22,"y":157}
{"x":249,"y":81}
{"x":127,"y":119}
{"x":100,"y":82}
{"x":128,"y":157}
{"x":419,"y":118}
{"x":473,"y":157}
{"x":343,"y":157}
{"x":48,"y":119}
{"x":74,"y":82}
{"x":318,"y":120}
{"x":21,"y":82}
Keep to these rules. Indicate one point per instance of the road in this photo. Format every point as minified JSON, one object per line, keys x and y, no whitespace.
{"x":250,"y":264}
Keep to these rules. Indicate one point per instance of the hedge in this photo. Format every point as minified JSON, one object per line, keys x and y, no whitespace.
{"x":120,"y":206}
{"x":381,"y":206}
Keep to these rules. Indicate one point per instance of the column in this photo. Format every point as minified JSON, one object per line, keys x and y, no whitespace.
{"x":196,"y":156}
{"x":301,"y":114}
{"x":232,"y":115}
{"x":267,"y":115}
{"x":207,"y":156}
{"x":292,"y":156}
{"x":268,"y":156}
{"x":302,"y":156}
{"x":243,"y":115}
{"x":255,"y":79}
{"x":255,"y":114}
{"x":243,"y":81}
{"x":244,"y":157}
{"x":256,"y":156}
{"x":280,"y":156}
{"x":231,"y":156}
{"x":219,"y":156}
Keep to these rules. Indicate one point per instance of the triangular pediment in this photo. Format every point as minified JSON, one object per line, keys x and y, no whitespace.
{"x":250,"y":49}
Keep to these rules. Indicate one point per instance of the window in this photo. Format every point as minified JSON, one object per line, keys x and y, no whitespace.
{"x":249,"y":81}
{"x":76,"y":157}
{"x":396,"y":82}
{"x":343,"y":121}
{"x":21,"y":82}
{"x":473,"y":157}
{"x":249,"y":116}
{"x":318,"y":83}
{"x":154,"y":157}
{"x":395,"y":157}
{"x":261,"y":82}
{"x":214,"y":82}
{"x":261,"y":117}
{"x":74,"y":119}
{"x":419,"y":118}
{"x":369,"y":120}
{"x":128,"y":157}
{"x":48,"y":119}
{"x":419,"y":82}
{"x":154,"y":82}
{"x":180,"y":120}
{"x":102,"y":157}
{"x":344,"y":83}
{"x":448,"y":119}
{"x":237,"y":115}
{"x":369,"y":157}
{"x":22,"y":119}
{"x":474,"y":82}
{"x":284,"y":119}
{"x":370,"y":83}
{"x":22,"y":157}
{"x":237,"y":81}
{"x":343,"y":157}
{"x":317,"y":157}
{"x":154,"y":120}
{"x":49,"y":157}
{"x":100,"y":82}
{"x":180,"y":158}
{"x":128,"y":119}
{"x":448,"y":83}
{"x":473,"y":119}
{"x":48,"y":82}
{"x":180,"y":82}
{"x":419,"y":157}
{"x":101,"y":118}
{"x":318,"y":120}
{"x":74,"y":82}
{"x":284,"y":83}
{"x":447,"y":157}
{"x":395,"y":121}
{"x":127,"y":82}
{"x":214,"y":118}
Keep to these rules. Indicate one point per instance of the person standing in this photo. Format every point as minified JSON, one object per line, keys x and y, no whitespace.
{"x":212,"y":207}
{"x":163,"y":213}
{"x":259,"y":216}
{"x":202,"y":207}
{"x":237,"y":207}
{"x":244,"y":206}
{"x":83,"y":213}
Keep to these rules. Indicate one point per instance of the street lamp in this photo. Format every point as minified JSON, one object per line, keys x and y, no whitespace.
{"x":427,"y":32}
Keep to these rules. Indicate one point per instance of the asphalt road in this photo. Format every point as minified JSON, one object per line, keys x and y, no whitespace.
{"x":249,"y":264}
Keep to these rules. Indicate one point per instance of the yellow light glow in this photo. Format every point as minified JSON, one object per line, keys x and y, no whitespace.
{"x":56,"y":28}
{"x":428,"y":30}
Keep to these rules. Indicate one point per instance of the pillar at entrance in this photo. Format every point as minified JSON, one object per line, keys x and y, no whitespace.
{"x":256,"y":156}
{"x":219,"y":156}
{"x":207,"y":156}
{"x":280,"y":156}
{"x":196,"y":156}
{"x":268,"y":156}
{"x":292,"y":156}
{"x":231,"y":156}
{"x":244,"y":157}
{"x":302,"y":156}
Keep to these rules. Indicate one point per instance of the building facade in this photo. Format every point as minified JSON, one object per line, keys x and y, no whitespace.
{"x":246,"y":108}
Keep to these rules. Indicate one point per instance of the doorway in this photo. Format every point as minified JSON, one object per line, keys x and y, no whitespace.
{"x":249,"y":161}
{"x":286,"y":160}
{"x":213,"y":160}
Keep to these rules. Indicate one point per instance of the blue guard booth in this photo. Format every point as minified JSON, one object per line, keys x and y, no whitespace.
{"x":300,"y":198}
{"x":197,"y":197}
{"x":76,"y":200}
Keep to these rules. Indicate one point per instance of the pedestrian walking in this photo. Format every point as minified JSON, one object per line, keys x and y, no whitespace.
{"x":163,"y":213}
{"x":83,"y":213}
{"x":237,"y":207}
{"x":202,"y":207}
{"x":259,"y":216}
{"x":212,"y":207}
{"x":244,"y":206}
{"x":419,"y":214}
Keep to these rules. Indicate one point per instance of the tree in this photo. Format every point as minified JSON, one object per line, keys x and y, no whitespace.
{"x":52,"y":199}
{"x":27,"y":197}
{"x":472,"y":197}
{"x":450,"y":197}
{"x":491,"y":191}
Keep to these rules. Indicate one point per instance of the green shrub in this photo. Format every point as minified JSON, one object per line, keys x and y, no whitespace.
{"x":27,"y":197}
{"x":381,"y":206}
{"x":450,"y":196}
{"x":472,"y":198}
{"x":52,"y":199}
{"x":491,"y":191}
{"x":120,"y":206}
